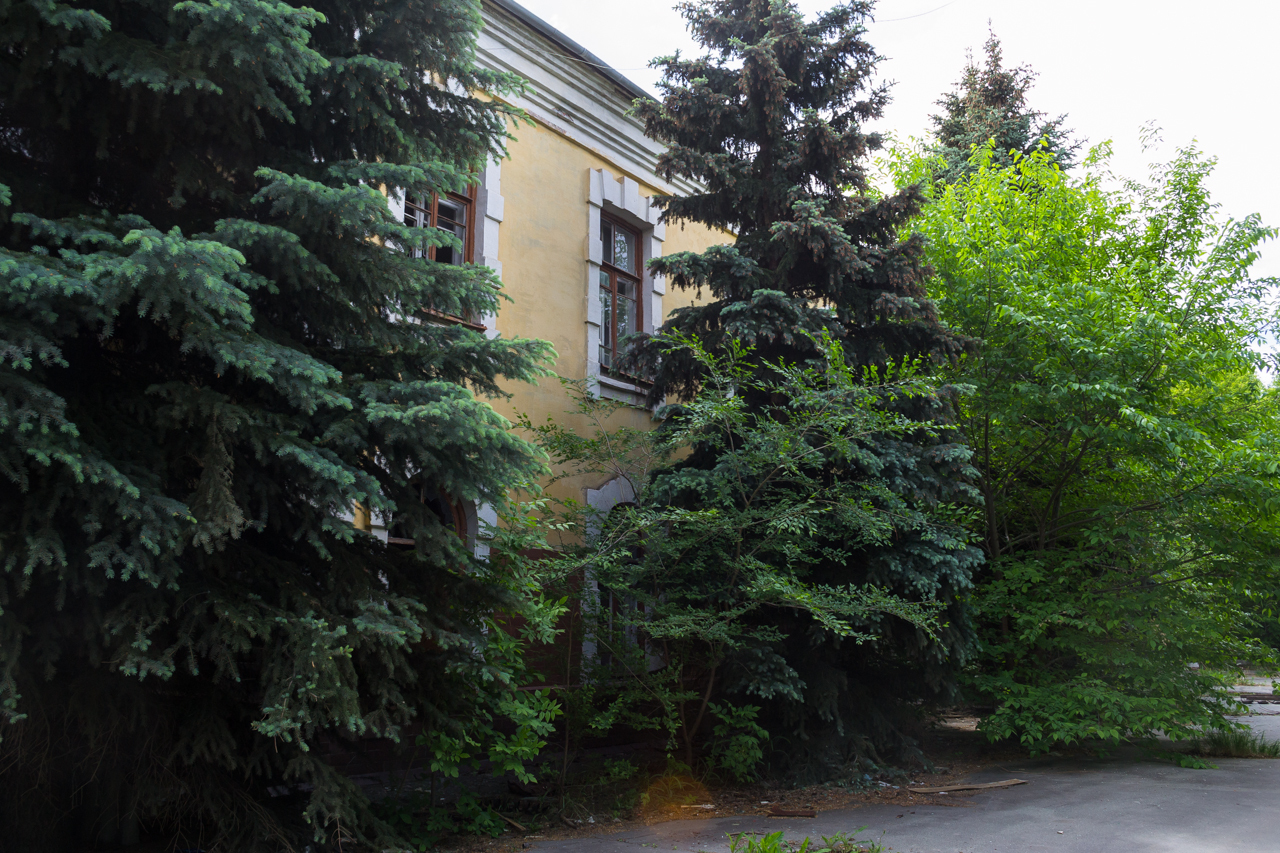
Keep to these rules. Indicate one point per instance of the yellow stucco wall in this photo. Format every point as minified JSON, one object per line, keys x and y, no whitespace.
{"x":543,"y":248}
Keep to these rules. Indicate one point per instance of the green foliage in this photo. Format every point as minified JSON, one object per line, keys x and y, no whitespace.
{"x":619,"y":770}
{"x":531,"y":712}
{"x":1262,"y":610}
{"x":737,"y":738}
{"x":421,"y":823}
{"x":475,"y":819}
{"x":204,"y":367}
{"x":744,"y":843}
{"x":1238,"y":743}
{"x":1189,"y":762}
{"x":424,"y":824}
{"x":841,"y":842}
{"x":989,"y":105}
{"x":1117,"y":654}
{"x":684,"y":582}
{"x":771,"y":121}
{"x":1128,"y":451}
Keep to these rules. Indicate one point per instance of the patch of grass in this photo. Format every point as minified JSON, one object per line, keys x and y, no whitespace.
{"x":841,"y":842}
{"x":1238,"y":743}
{"x":677,"y":786}
{"x":1186,"y":760}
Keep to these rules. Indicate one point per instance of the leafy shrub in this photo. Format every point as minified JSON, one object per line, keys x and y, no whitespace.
{"x":1125,"y":444}
{"x":748,"y":550}
{"x":736,"y":747}
{"x":424,"y":824}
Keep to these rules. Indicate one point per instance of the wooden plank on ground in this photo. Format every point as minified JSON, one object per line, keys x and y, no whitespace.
{"x":943,"y":789}
{"x":779,"y":811}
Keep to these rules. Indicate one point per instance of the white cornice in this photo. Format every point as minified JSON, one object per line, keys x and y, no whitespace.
{"x":571,"y":98}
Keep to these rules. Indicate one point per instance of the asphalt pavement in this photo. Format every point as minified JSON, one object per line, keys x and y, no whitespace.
{"x":1121,"y":804}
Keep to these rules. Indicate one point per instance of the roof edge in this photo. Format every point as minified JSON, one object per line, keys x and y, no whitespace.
{"x":571,"y":47}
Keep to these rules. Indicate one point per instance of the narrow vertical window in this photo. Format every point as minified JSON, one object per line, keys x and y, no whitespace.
{"x":620,"y":307}
{"x":451,"y":213}
{"x":451,"y":216}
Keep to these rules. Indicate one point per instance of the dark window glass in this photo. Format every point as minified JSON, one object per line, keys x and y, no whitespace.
{"x":620,"y":304}
{"x":451,"y":216}
{"x":446,"y":510}
{"x":451,"y":213}
{"x":454,"y":214}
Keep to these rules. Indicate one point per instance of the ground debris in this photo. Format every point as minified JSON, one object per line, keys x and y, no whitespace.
{"x":779,"y":811}
{"x":977,"y":786}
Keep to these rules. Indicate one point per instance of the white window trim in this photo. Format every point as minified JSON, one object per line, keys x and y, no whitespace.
{"x":621,"y":199}
{"x":476,"y":516}
{"x":488,"y":217}
{"x":602,"y":501}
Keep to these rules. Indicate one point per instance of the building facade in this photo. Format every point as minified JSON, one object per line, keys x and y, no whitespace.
{"x":567,"y":222}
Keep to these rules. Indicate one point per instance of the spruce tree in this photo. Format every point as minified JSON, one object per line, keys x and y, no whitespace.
{"x":989,"y":104}
{"x":212,"y":352}
{"x":771,"y":121}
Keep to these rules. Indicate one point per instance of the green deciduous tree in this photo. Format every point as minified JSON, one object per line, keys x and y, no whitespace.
{"x":771,"y":122}
{"x":1128,"y":451}
{"x":690,"y":582}
{"x":989,"y":104}
{"x":209,"y":358}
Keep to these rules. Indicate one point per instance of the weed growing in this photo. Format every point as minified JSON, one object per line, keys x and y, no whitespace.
{"x":424,"y":824}
{"x":841,"y":842}
{"x":1238,"y":743}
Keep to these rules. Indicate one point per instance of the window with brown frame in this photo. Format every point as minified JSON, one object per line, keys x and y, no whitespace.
{"x":621,"y":309}
{"x":447,"y":511}
{"x":454,"y":214}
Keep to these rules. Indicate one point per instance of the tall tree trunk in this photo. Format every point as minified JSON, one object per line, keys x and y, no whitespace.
{"x":691,"y":731}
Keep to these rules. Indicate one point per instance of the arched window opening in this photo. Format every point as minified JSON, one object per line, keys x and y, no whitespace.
{"x":449,"y":512}
{"x":619,"y":612}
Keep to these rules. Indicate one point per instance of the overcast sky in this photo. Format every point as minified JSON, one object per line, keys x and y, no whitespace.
{"x":1207,"y":72}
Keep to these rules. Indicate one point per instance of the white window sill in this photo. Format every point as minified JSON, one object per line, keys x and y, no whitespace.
{"x":622,"y":391}
{"x":622,"y":384}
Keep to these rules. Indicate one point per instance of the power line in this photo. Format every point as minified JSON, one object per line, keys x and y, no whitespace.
{"x":563,"y":55}
{"x":920,"y":15}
